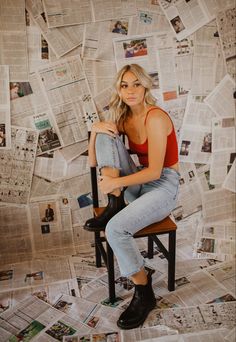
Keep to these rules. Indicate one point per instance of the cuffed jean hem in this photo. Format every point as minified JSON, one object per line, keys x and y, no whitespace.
{"x":130,"y":274}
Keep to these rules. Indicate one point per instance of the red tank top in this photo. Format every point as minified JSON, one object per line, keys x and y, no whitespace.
{"x":171,"y":156}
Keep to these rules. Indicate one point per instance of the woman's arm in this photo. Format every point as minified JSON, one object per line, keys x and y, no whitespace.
{"x":158,"y":127}
{"x":99,"y":127}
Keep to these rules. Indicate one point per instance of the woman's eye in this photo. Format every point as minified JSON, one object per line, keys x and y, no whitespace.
{"x":137,"y":84}
{"x":123,"y":86}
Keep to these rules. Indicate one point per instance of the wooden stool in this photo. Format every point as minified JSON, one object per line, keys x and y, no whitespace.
{"x":166,"y":226}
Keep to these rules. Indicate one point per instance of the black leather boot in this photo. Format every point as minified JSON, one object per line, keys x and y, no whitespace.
{"x":115,"y":204}
{"x":142,"y":303}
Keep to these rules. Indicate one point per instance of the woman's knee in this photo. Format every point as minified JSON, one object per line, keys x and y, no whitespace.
{"x":103,"y":138}
{"x":114,"y":231}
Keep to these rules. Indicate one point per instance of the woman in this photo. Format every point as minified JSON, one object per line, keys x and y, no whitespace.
{"x":150,"y":189}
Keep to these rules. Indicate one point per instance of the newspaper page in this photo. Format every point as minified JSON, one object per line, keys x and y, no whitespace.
{"x":94,"y":315}
{"x":221,"y":100}
{"x":223,"y":138}
{"x":43,"y":188}
{"x":224,"y":273}
{"x":100,"y":74}
{"x":97,"y":43}
{"x":79,"y":189}
{"x":85,"y":269}
{"x":203,"y":177}
{"x":13,"y":39}
{"x":166,"y":60}
{"x":196,"y":132}
{"x":176,"y":109}
{"x":215,"y":241}
{"x":5,"y":122}
{"x":194,"y":319}
{"x":205,"y":60}
{"x":229,"y":182}
{"x":62,"y":39}
{"x":78,"y":167}
{"x":29,"y":108}
{"x":231,"y":336}
{"x":48,"y":293}
{"x":73,"y":151}
{"x":183,"y":64}
{"x":37,"y":272}
{"x":15,"y":237}
{"x":216,"y":335}
{"x":218,"y":205}
{"x":154,"y":52}
{"x":51,"y":227}
{"x":148,"y":21}
{"x":102,"y":101}
{"x":200,"y":288}
{"x":226,"y":28}
{"x":189,"y":198}
{"x":61,"y":13}
{"x":113,"y":9}
{"x":17,"y":166}
{"x":185,"y":17}
{"x":139,"y":49}
{"x":51,"y":166}
{"x":38,"y":51}
{"x":100,"y":336}
{"x":36,"y":318}
{"x":70,"y":98}
{"x":221,"y":164}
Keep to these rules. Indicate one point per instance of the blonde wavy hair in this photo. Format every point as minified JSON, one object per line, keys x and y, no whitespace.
{"x":118,"y":109}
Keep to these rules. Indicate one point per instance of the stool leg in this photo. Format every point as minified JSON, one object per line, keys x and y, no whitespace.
{"x":150,"y":247}
{"x":97,"y":251}
{"x":171,"y":261}
{"x":111,"y":274}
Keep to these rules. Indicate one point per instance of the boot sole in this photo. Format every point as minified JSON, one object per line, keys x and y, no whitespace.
{"x":136,"y":324}
{"x":94,"y":229}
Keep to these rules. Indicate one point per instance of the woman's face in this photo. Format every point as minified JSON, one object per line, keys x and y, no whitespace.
{"x":132,"y":92}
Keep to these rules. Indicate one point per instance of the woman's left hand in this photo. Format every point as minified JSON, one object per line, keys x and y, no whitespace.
{"x":107,"y":184}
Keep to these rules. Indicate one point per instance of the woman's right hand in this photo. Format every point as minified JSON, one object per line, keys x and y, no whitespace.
{"x":106,"y":127}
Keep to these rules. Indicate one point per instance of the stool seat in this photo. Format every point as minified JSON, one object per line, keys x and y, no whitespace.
{"x":164,"y":226}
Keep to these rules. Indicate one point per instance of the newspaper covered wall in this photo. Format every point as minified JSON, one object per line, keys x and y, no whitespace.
{"x":58,"y":61}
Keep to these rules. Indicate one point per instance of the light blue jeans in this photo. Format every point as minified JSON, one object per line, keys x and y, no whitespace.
{"x":148,"y":203}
